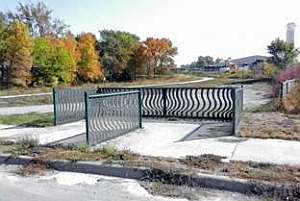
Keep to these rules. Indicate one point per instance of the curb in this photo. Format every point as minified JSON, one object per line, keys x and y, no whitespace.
{"x":153,"y":175}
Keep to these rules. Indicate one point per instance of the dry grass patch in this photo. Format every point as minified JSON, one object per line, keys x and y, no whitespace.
{"x":271,"y":125}
{"x":34,"y":168}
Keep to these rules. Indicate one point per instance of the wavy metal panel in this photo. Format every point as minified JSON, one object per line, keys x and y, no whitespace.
{"x":111,"y":115}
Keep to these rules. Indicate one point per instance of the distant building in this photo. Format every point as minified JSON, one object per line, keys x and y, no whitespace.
{"x":246,"y":63}
{"x":204,"y":69}
{"x":290,"y":33}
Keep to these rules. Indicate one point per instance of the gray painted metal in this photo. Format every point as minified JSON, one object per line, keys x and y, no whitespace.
{"x":220,"y":103}
{"x":69,"y":104}
{"x":203,"y":103}
{"x":111,"y":115}
{"x":237,"y":110}
{"x":286,"y":87}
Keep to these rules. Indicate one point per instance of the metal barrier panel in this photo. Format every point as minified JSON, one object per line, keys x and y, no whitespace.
{"x":202,"y":103}
{"x":111,"y":115}
{"x":238,"y":109}
{"x":286,"y":87}
{"x":69,"y":104}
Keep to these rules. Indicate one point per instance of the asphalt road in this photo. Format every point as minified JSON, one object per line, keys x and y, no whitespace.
{"x":65,"y":186}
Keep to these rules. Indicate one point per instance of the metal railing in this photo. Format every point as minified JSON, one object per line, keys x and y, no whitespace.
{"x":203,"y":103}
{"x":223,"y":103}
{"x":111,"y":115}
{"x":69,"y":104}
{"x":286,"y":87}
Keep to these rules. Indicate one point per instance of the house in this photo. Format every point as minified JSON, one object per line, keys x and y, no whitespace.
{"x":246,"y":63}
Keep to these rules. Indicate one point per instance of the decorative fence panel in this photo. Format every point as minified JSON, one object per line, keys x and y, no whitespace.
{"x":201,"y":103}
{"x":286,"y":87}
{"x":69,"y":104}
{"x":111,"y":115}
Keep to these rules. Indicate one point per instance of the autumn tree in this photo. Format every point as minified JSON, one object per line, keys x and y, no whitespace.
{"x":18,"y":54}
{"x":159,"y":53}
{"x":38,"y":18}
{"x":53,"y":62}
{"x":117,"y":49}
{"x":69,"y":43}
{"x":89,"y":68}
{"x":3,"y":49}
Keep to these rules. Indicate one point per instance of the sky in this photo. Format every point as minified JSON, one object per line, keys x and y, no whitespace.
{"x":219,"y":28}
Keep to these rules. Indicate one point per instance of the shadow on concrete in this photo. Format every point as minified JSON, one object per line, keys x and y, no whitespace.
{"x":209,"y":130}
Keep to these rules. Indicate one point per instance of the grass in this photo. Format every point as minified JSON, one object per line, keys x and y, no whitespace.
{"x":271,"y":125}
{"x":268,"y":107}
{"x":28,"y":120}
{"x":160,"y":79}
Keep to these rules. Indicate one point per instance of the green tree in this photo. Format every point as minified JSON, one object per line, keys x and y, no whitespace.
{"x":53,"y":63}
{"x":38,"y":18}
{"x":283,"y":53}
{"x":117,"y":49}
{"x":18,"y":54}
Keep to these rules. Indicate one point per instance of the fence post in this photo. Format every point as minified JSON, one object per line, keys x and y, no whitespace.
{"x":54,"y":106}
{"x":233,"y":95}
{"x":164,"y":96}
{"x":86,"y":101}
{"x":140,"y":109}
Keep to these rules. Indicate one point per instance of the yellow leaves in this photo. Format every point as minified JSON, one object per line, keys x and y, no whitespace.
{"x":18,"y":55}
{"x":89,"y":67}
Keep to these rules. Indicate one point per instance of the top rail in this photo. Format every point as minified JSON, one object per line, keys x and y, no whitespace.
{"x":112,"y":94}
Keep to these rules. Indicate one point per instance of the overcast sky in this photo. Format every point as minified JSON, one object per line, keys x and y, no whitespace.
{"x":220,"y":28}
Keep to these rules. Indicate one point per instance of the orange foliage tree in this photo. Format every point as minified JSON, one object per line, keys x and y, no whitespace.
{"x":18,"y":55}
{"x":158,"y":54}
{"x":89,"y":67}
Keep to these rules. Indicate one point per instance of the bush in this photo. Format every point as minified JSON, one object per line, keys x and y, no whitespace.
{"x":291,"y":104}
{"x":270,"y":70}
{"x":289,"y":74}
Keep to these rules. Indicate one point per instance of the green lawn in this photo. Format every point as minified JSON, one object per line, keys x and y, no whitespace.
{"x":28,"y":120}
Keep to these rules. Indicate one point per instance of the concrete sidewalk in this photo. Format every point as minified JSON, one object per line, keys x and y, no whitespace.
{"x":173,"y":139}
{"x":165,"y":139}
{"x":42,"y":135}
{"x":26,"y":109}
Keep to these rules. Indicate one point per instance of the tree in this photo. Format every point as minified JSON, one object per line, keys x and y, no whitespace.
{"x":158,"y":54}
{"x":117,"y":49}
{"x":283,"y":53}
{"x":53,"y":63}
{"x":3,"y":49}
{"x":18,"y":54}
{"x":89,"y":67}
{"x":38,"y":18}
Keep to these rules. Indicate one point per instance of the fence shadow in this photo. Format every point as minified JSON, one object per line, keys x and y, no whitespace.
{"x":209,"y":130}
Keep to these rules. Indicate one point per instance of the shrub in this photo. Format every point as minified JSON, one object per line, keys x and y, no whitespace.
{"x":291,"y":104}
{"x":270,"y":70}
{"x":289,"y":74}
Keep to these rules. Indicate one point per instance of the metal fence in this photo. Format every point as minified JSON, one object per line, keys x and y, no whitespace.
{"x":224,"y":103}
{"x":204,"y":103}
{"x":69,"y":105}
{"x":111,"y":115}
{"x":286,"y":87}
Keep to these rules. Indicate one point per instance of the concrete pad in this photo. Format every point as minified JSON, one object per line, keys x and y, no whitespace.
{"x":269,"y":151}
{"x":165,"y":139}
